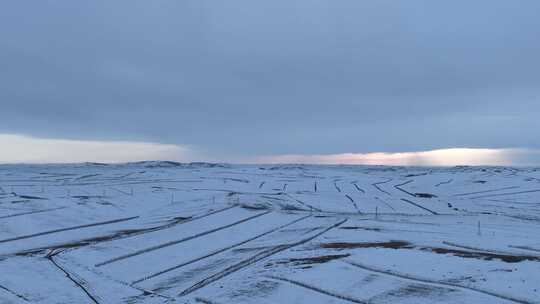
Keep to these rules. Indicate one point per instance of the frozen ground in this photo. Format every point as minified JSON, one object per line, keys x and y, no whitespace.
{"x":159,"y":232}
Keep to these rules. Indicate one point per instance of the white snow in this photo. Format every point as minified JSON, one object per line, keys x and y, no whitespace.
{"x":163,"y":232}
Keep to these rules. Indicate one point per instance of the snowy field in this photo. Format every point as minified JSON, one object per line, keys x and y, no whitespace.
{"x":160,"y":232}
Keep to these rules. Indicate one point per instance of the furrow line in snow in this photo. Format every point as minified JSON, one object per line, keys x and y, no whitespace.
{"x":14,"y":293}
{"x":249,"y":261}
{"x":444,"y":183}
{"x":317,"y":289}
{"x":486,"y":191}
{"x":504,"y":194}
{"x":218,"y":251}
{"x":31,"y":212}
{"x":358,"y":188}
{"x":120,"y":191}
{"x":437,"y":283}
{"x":119,"y":235}
{"x":68,"y":229}
{"x":419,"y":206}
{"x":353,"y":202}
{"x":80,"y":283}
{"x":481,"y":249}
{"x":387,"y":204}
{"x":525,"y":248}
{"x":175,"y":242}
{"x":304,"y":204}
{"x":376,"y":185}
{"x":398,"y":187}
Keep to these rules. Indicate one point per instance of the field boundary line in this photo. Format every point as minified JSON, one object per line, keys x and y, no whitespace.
{"x":434,"y":282}
{"x":175,"y":242}
{"x":317,"y":289}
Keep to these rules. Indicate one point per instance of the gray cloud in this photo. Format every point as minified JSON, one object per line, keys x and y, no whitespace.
{"x":243,"y":78}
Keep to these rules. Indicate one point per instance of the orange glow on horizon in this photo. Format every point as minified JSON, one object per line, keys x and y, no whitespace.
{"x":441,"y":157}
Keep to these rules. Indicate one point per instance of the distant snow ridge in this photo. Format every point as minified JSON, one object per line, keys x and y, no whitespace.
{"x":173,"y":164}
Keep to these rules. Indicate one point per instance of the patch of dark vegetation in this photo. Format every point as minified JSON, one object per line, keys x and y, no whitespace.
{"x":255,"y":206}
{"x":317,"y":259}
{"x":424,"y":195}
{"x":486,"y":256}
{"x":178,"y":219}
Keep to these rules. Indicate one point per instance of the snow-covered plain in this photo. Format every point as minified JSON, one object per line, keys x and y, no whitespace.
{"x":160,"y":232}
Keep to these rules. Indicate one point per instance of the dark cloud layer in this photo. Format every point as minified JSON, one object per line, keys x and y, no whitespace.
{"x":248,"y":77}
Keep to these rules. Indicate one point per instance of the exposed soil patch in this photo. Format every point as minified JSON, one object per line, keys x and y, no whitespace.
{"x":416,"y":290}
{"x":480,"y":255}
{"x":257,"y":289}
{"x":424,"y":195}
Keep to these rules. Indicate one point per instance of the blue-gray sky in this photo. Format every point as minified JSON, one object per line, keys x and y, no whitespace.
{"x":245,"y":78}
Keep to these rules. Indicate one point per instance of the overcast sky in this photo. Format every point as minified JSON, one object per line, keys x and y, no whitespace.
{"x":241,"y":79}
